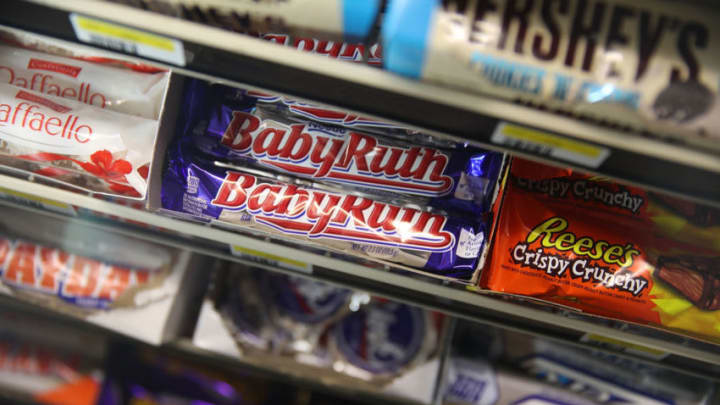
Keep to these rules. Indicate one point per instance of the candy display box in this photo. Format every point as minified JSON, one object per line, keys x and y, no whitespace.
{"x":79,"y":118}
{"x":315,"y":331}
{"x":86,"y":272}
{"x":256,"y":163}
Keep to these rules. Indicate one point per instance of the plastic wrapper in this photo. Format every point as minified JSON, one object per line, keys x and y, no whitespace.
{"x":278,"y":313}
{"x":121,"y":90}
{"x":44,"y":374}
{"x":442,"y":244}
{"x":652,"y":66}
{"x":69,"y":282}
{"x":325,"y":326}
{"x":382,"y":339}
{"x":135,"y":379}
{"x":477,"y":382}
{"x":328,"y":146}
{"x":606,"y":249}
{"x":92,"y":148}
{"x":329,"y":19}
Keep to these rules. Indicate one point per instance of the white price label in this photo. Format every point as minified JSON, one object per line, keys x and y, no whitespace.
{"x":554,"y":146}
{"x":130,"y":40}
{"x":469,"y":244}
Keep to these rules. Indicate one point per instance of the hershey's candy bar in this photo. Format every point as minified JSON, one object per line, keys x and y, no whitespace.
{"x":649,"y":67}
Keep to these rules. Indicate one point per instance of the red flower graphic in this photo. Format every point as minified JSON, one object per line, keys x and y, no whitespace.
{"x":101,"y":164}
{"x":105,"y":167}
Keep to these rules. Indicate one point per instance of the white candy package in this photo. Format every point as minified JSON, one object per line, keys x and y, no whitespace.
{"x":100,"y":85}
{"x":92,"y":148}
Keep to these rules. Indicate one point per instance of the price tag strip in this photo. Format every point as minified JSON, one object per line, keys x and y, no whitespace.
{"x":625,"y":346}
{"x":555,"y":146}
{"x":129,"y":40}
{"x":270,"y":259}
{"x":37,"y":202}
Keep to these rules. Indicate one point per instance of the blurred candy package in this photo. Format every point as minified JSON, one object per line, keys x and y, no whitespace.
{"x":87,"y":272}
{"x":132,"y":378}
{"x":306,"y":326}
{"x":603,"y":376}
{"x":594,"y":59}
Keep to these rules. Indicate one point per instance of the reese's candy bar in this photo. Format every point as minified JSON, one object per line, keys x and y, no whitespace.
{"x":608,"y":252}
{"x":696,"y":278}
{"x":436,"y":242}
{"x":301,"y":140}
{"x":648,"y":66}
{"x":45,"y":274}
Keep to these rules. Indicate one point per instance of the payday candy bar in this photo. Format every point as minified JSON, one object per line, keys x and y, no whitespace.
{"x":80,"y":281}
{"x":121,"y":90}
{"x":461,"y":179}
{"x":438,"y":243}
{"x":696,"y":278}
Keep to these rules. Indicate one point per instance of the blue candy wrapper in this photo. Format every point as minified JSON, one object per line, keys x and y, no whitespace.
{"x":443,"y":244}
{"x":383,"y":337}
{"x":333,"y":147}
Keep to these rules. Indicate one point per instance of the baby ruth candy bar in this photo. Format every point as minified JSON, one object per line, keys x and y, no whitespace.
{"x":272,"y":136}
{"x":438,"y":243}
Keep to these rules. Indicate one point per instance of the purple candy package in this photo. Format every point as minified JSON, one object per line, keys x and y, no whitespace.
{"x":440,"y":243}
{"x":383,"y":337}
{"x":327,"y":327}
{"x":338,"y":148}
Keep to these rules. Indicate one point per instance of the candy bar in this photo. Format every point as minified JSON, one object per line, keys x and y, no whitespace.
{"x":696,"y":278}
{"x":282,"y":135}
{"x":474,"y":381}
{"x":121,"y":90}
{"x":350,"y":19}
{"x":279,"y":313}
{"x":604,"y":248}
{"x":439,"y":243}
{"x":383,"y":338}
{"x":92,"y":148}
{"x":44,"y":274}
{"x":648,"y":67}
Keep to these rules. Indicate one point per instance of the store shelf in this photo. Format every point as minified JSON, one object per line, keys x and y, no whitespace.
{"x":215,"y":54}
{"x":684,"y":354}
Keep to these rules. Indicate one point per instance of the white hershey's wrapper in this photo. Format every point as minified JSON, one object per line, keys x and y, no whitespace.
{"x":33,"y":123}
{"x":647,"y":66}
{"x":121,"y":90}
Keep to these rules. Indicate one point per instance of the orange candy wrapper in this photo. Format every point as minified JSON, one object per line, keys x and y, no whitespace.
{"x":608,"y":249}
